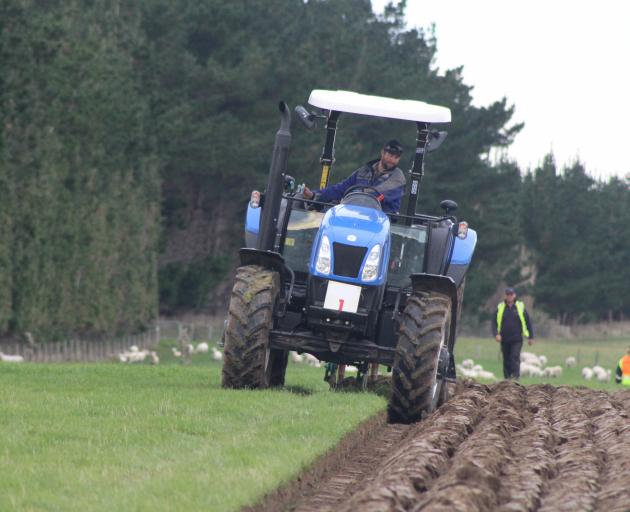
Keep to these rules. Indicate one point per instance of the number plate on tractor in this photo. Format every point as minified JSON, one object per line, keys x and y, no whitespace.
{"x":342,"y":297}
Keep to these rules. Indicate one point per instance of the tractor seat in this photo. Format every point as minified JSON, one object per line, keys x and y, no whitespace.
{"x":362,"y":199}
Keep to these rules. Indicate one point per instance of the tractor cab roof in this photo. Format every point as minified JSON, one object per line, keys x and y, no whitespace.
{"x":379,"y":106}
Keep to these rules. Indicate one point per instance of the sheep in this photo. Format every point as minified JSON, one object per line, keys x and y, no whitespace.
{"x":176,"y":352}
{"x":553,"y":371}
{"x":570,"y":362}
{"x":484,"y":374}
{"x":6,"y":358}
{"x":202,"y":348}
{"x":295,"y":357}
{"x":530,"y":358}
{"x":600,"y":373}
{"x":217,"y":355}
{"x":543,"y":360}
{"x":133,"y":348}
{"x":530,"y":370}
{"x":477,"y":368}
{"x":311,"y":360}
{"x":466,"y":372}
{"x":468,"y":364}
{"x":587,"y":373}
{"x":605,"y":376}
{"x":122,"y":357}
{"x":154,"y":358}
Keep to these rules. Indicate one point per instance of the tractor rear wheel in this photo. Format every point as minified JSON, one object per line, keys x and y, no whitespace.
{"x":248,"y":362}
{"x":416,"y":388}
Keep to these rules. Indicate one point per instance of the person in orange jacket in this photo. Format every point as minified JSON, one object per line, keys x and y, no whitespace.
{"x":622,"y":374}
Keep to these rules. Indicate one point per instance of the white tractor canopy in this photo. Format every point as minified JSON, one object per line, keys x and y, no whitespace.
{"x":355,"y":103}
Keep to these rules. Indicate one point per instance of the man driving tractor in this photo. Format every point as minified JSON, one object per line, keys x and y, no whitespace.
{"x":382,"y":174}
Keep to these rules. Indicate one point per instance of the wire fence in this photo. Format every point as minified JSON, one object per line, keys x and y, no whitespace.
{"x":78,"y":350}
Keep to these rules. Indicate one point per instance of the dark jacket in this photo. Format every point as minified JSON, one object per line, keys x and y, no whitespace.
{"x":390,"y":183}
{"x":511,"y":328}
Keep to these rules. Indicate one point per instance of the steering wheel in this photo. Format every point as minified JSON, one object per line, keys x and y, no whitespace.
{"x":366,"y":189}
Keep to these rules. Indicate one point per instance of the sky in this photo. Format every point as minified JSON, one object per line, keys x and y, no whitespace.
{"x":564,"y":65}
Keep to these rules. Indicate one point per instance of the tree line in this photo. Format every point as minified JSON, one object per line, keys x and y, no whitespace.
{"x":132,"y":133}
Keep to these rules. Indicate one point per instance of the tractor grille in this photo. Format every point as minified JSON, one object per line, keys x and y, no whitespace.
{"x":348,"y":259}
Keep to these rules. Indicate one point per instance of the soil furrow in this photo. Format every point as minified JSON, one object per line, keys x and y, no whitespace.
{"x":612,"y":433}
{"x":577,"y":459}
{"x":473,"y":483}
{"x":408,"y":472}
{"x":502,"y":447}
{"x":525,"y":475}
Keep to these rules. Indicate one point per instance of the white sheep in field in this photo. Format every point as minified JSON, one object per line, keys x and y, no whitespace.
{"x":295,"y":357}
{"x":468,"y":364}
{"x":543,"y":360}
{"x":217,"y":355}
{"x":553,"y":371}
{"x":530,"y":370}
{"x":477,"y":368}
{"x":570,"y":362}
{"x":134,"y":348}
{"x":311,"y":360}
{"x":600,"y":373}
{"x":469,"y":373}
{"x":587,"y":373}
{"x":176,"y":352}
{"x":6,"y":358}
{"x":530,"y":358}
{"x":202,"y":348}
{"x":605,"y":377}
{"x":154,"y":358}
{"x":484,"y":374}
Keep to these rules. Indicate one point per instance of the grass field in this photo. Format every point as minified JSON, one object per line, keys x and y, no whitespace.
{"x":115,"y":437}
{"x":119,"y":437}
{"x":588,"y":352}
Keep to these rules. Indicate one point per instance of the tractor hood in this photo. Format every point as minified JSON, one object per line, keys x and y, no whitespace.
{"x":348,"y":237}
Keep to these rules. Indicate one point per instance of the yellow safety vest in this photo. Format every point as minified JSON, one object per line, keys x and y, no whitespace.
{"x":520,"y":308}
{"x":624,"y":364}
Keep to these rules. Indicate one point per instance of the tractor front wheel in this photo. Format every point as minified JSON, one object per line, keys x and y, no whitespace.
{"x":248,"y":362}
{"x":417,"y":387}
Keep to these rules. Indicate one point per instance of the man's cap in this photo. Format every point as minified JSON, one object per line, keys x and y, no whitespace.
{"x":509,"y":291}
{"x":393,"y":146}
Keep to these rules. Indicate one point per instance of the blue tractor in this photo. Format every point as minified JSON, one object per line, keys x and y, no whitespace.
{"x":346,"y":282}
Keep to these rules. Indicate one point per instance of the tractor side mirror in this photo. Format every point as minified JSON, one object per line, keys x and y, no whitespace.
{"x":435,"y":140}
{"x":448,"y":206}
{"x":308,"y":119}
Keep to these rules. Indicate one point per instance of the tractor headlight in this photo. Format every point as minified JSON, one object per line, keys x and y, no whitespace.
{"x":322,"y":264}
{"x":370,"y":269}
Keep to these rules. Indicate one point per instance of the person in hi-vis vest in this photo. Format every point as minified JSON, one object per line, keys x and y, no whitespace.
{"x":510,"y":325}
{"x":622,"y":374}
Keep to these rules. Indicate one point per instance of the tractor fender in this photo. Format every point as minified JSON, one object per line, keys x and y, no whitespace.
{"x":272,"y":261}
{"x":463,"y":251}
{"x":440,"y":284}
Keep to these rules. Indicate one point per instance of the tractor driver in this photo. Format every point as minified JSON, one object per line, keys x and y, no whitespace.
{"x":383,"y":174}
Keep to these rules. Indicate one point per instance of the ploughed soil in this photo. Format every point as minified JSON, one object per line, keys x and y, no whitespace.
{"x":502,"y":447}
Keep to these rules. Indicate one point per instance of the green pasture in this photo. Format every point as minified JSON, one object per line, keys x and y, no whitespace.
{"x":138,"y":437}
{"x":588,"y":352}
{"x":116,"y":437}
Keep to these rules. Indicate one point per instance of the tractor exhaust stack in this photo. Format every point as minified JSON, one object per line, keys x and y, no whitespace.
{"x":275,"y":183}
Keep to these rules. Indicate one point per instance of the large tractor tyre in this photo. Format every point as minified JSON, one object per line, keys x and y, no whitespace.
{"x":248,"y":362}
{"x":422,"y":335}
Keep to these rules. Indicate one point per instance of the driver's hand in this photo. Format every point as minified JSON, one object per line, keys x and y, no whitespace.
{"x":308,"y":193}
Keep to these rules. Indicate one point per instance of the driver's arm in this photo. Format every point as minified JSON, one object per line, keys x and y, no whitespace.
{"x":335,"y":192}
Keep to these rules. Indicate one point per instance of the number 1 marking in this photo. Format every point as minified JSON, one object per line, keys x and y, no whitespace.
{"x":340,"y":304}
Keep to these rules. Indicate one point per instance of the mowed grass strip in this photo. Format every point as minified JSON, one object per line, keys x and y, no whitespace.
{"x":122,"y":437}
